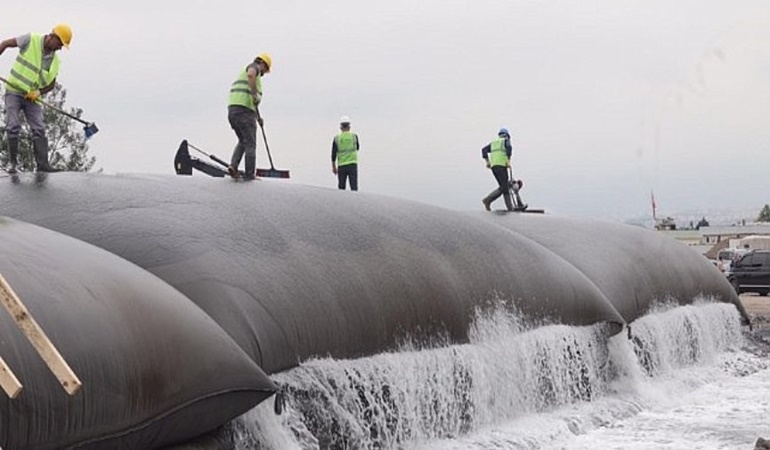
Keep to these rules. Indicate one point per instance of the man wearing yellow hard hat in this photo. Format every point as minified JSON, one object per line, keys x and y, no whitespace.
{"x":243,"y":115}
{"x":32,"y":75}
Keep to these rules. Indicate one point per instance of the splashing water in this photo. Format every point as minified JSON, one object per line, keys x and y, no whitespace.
{"x":511,"y":387}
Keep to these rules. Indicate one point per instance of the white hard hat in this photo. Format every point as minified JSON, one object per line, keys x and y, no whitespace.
{"x":345,"y":119}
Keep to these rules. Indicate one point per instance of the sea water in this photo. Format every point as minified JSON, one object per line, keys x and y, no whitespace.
{"x":679,"y":377}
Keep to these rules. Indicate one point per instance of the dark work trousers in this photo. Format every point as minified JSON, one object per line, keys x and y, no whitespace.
{"x":494,"y":195}
{"x":349,"y":172}
{"x":501,"y":175}
{"x":15,"y":105}
{"x":244,"y":122}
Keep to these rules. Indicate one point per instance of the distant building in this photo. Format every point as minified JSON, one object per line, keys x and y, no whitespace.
{"x":720,"y":238}
{"x":714,"y":235}
{"x":708,"y":240}
{"x":665,"y":224}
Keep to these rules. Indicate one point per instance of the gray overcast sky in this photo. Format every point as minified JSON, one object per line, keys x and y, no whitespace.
{"x":606,"y":99}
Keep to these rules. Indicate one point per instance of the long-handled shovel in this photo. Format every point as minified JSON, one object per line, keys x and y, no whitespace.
{"x":213,"y":157}
{"x":89,"y":128}
{"x":184,"y":164}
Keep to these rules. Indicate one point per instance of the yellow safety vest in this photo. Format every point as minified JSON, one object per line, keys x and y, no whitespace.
{"x":27,"y":72}
{"x":240,"y":94}
{"x":346,"y":148}
{"x":497,"y":154}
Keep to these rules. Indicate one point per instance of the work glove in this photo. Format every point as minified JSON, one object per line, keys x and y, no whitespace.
{"x":32,"y":96}
{"x":260,"y":121}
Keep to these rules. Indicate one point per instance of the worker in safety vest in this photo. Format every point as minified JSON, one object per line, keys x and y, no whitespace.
{"x":497,"y":155}
{"x":32,"y":75}
{"x":243,"y":115}
{"x":345,"y":155}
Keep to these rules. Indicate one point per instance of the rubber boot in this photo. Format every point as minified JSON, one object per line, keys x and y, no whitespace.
{"x":13,"y":151}
{"x":251,"y":167}
{"x":487,"y":201}
{"x":521,"y":206}
{"x":41,"y":155}
{"x":508,"y":201}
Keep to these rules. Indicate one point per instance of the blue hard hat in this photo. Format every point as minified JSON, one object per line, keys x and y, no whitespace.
{"x":503,"y":132}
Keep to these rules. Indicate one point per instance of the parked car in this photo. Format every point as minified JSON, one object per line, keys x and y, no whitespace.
{"x":726,"y":257}
{"x":751,"y":273}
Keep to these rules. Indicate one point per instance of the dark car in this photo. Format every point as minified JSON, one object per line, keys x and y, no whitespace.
{"x":751,"y":273}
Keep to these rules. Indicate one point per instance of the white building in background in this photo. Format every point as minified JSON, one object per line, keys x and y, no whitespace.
{"x":708,"y":241}
{"x":715,"y":235}
{"x":755,"y":235}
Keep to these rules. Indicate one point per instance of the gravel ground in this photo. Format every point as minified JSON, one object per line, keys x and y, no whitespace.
{"x":758,"y":308}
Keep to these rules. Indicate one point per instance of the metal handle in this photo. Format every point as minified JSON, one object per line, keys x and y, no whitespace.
{"x":47,"y":105}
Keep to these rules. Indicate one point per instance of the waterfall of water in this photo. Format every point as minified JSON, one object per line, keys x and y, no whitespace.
{"x":507,"y":372}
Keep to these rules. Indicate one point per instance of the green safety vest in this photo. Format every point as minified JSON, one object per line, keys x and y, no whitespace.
{"x":346,"y":148}
{"x":27,"y":72}
{"x":240,"y":94}
{"x":497,"y":153}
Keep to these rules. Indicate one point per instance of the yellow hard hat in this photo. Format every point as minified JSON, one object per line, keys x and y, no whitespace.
{"x":64,"y":32}
{"x":267,"y":59}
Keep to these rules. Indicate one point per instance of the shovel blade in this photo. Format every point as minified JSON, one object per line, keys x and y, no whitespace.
{"x":272,"y":173}
{"x":90,"y":130}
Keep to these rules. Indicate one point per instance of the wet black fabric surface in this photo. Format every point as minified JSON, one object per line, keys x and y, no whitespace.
{"x":290,"y":272}
{"x":148,"y":359}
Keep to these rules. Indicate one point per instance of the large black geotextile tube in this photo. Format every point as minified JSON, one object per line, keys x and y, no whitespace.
{"x":633,"y":267}
{"x":289,"y":272}
{"x":155,"y":369}
{"x":292,"y":272}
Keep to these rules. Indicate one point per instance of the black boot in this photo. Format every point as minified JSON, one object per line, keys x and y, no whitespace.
{"x":508,"y":201}
{"x":13,"y":151}
{"x":520,"y":206}
{"x":41,"y":155}
{"x":489,"y":199}
{"x":251,"y":167}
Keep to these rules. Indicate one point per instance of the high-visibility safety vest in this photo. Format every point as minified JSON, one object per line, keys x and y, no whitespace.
{"x":27,"y":73}
{"x":240,"y":94}
{"x":346,"y":148}
{"x":497,"y":153}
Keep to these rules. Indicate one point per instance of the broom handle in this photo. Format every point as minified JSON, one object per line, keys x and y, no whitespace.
{"x":264,"y":138}
{"x":267,"y":147}
{"x":71,"y":116}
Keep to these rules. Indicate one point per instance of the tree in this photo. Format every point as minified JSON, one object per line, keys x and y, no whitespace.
{"x":764,"y":215}
{"x":702,"y":223}
{"x":67,"y":147}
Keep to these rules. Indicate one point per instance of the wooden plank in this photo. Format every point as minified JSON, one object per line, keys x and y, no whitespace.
{"x":8,"y":380}
{"x":38,"y":338}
